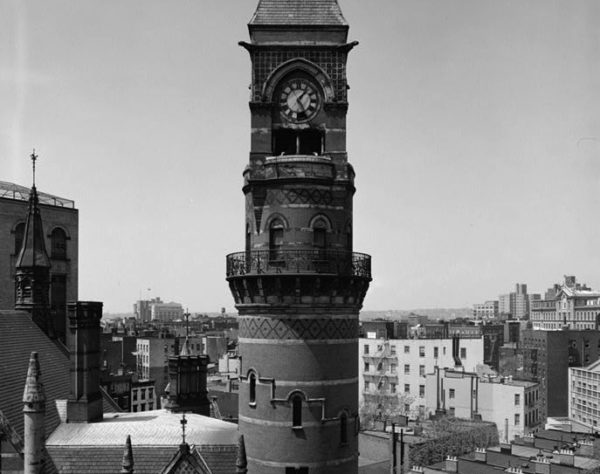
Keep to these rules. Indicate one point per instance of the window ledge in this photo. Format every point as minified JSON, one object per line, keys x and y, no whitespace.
{"x":252,"y":404}
{"x":297,"y":428}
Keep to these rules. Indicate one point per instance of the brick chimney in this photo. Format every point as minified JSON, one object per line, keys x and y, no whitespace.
{"x":566,"y":457}
{"x":542,"y":465}
{"x":187,"y":384}
{"x":34,"y":409}
{"x":83,"y":340}
{"x":481,"y":455}
{"x":451,"y":464}
{"x":586,"y":448}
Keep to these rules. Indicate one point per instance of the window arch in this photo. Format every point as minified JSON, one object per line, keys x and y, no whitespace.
{"x":297,"y":411}
{"x":58,"y":244}
{"x":252,"y":388}
{"x":19,"y":232}
{"x":320,"y":228}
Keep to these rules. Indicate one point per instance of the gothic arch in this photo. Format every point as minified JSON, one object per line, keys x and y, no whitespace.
{"x":320,"y":218}
{"x":298,"y":64}
{"x":273,"y":218}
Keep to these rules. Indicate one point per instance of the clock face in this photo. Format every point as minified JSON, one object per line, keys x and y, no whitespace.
{"x":299,"y":100}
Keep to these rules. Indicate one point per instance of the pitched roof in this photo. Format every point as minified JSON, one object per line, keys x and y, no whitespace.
{"x":19,"y":336}
{"x":298,"y":12}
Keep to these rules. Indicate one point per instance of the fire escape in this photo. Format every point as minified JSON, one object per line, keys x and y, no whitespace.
{"x":382,"y":375}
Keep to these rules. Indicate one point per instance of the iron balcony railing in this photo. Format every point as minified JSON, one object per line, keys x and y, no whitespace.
{"x":337,"y":262}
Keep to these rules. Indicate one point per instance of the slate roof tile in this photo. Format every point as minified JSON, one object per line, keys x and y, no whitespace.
{"x":298,"y":12}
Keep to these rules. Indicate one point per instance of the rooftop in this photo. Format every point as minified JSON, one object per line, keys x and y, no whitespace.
{"x":298,"y":12}
{"x":21,"y":193}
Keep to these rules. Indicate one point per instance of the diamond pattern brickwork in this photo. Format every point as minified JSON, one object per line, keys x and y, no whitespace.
{"x":255,"y":327}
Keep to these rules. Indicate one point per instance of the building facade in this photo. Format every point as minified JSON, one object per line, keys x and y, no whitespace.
{"x":547,"y":356}
{"x":60,"y":220}
{"x":392,"y":372}
{"x":567,"y":306}
{"x":510,"y":404}
{"x":298,"y":286}
{"x":487,"y":310}
{"x":584,"y":395}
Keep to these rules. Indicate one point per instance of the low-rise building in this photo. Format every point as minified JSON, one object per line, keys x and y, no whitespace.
{"x":510,"y":404}
{"x":487,"y":310}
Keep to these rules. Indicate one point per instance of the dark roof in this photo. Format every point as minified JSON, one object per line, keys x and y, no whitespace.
{"x":19,"y":337}
{"x":298,"y":12}
{"x":220,"y":459}
{"x":108,"y":459}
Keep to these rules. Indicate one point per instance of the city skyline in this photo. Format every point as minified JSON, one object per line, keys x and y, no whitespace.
{"x":479,"y":116}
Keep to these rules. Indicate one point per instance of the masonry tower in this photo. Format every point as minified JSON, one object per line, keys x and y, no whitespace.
{"x":298,"y":286}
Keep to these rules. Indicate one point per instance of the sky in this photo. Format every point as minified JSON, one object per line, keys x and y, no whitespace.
{"x":473,"y":128}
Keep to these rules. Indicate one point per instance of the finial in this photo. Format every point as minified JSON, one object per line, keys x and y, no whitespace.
{"x":241,"y":463}
{"x":127,"y":464}
{"x":34,"y":157}
{"x":187,"y":322}
{"x":33,"y":395}
{"x":183,"y":423}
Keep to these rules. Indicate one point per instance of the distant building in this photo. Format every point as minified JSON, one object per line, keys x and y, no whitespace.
{"x":157,"y":310}
{"x":547,"y":356}
{"x":487,"y":310}
{"x":393,"y":371}
{"x":143,"y":396}
{"x":570,"y":305}
{"x":514,"y":305}
{"x":510,"y":404}
{"x":60,"y":220}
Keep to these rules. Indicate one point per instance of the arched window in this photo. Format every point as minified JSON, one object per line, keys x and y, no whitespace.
{"x":297,"y":411}
{"x":344,"y":428}
{"x":252,"y":381}
{"x":320,"y":234}
{"x":58,"y":242}
{"x":275,"y":239}
{"x":19,"y":234}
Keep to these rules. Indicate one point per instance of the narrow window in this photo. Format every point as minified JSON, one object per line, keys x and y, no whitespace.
{"x":275,"y":239}
{"x":320,"y":235}
{"x":344,"y":428}
{"x":252,"y":388}
{"x":58,"y":241}
{"x":19,"y":233}
{"x":297,"y":411}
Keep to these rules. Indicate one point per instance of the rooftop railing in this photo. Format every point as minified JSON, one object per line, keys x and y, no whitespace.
{"x":336,"y":262}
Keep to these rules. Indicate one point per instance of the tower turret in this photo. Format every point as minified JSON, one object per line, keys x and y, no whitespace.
{"x":298,"y":286}
{"x":32,"y":268}
{"x":34,"y":409}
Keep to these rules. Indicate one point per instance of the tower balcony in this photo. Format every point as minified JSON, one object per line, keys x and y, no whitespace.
{"x":293,"y":262}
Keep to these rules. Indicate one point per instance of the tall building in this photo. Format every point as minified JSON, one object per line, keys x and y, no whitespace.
{"x":569,"y":305}
{"x":298,"y":287}
{"x":584,"y":395}
{"x":60,"y":221}
{"x":515,"y":305}
{"x":547,"y":356}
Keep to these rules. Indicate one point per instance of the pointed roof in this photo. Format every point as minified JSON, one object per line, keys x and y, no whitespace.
{"x":127,"y":464}
{"x":241,"y":463}
{"x":34,"y":396}
{"x":186,"y":349}
{"x":298,"y":12}
{"x":33,"y":251}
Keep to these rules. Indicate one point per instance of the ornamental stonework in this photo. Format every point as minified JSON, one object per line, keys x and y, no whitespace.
{"x":294,"y":328}
{"x":317,"y":197}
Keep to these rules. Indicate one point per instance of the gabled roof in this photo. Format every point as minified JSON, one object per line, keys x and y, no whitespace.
{"x":19,"y":336}
{"x":298,"y":12}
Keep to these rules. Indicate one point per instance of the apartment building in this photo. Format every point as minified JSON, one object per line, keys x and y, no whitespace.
{"x":584,"y":395}
{"x":393,"y":371}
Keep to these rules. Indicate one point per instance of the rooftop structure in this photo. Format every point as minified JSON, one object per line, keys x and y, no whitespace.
{"x":21,"y":193}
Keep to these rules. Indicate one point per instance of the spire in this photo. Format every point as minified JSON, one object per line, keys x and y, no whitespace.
{"x":34,"y":396}
{"x":127,"y":464}
{"x":241,"y":463}
{"x":33,"y":250}
{"x":186,"y":349}
{"x":183,"y":447}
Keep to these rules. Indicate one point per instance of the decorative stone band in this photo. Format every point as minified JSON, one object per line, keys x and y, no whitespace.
{"x":255,"y":327}
{"x":310,"y":465}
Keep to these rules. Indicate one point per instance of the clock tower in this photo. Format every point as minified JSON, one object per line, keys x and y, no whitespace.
{"x":298,"y":286}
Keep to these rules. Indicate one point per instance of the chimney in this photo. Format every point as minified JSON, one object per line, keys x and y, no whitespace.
{"x":542,"y":465}
{"x":528,"y":439}
{"x":85,"y":400}
{"x":481,"y":455}
{"x":451,"y":464}
{"x":586,"y":448}
{"x":566,"y":457}
{"x":34,"y":409}
{"x":416,"y":470}
{"x":187,"y":384}
{"x":127,"y":463}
